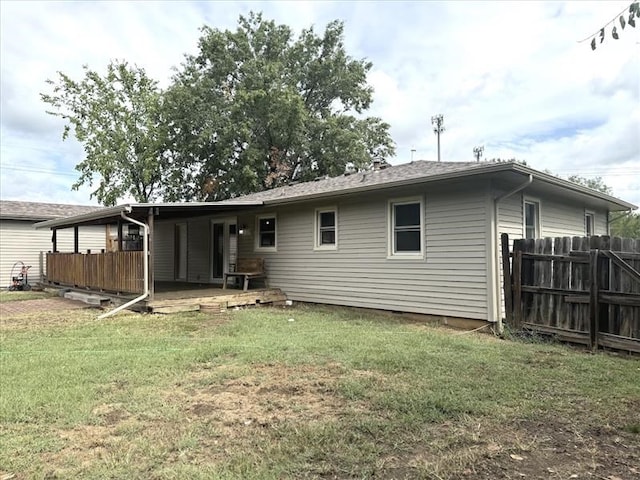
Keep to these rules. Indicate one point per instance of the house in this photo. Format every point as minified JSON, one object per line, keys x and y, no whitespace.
{"x":420,"y":237}
{"x":20,"y":242}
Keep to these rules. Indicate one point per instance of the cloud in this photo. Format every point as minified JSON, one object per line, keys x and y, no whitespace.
{"x":511,"y":76}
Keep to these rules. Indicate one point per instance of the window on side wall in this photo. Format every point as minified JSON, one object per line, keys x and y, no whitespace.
{"x":266,"y":233}
{"x":531,"y":219}
{"x":406,"y":228}
{"x":326,"y":229}
{"x":589,"y":223}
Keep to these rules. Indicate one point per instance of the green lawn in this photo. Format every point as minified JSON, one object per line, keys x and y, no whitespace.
{"x":305,"y":392}
{"x":8,"y":296}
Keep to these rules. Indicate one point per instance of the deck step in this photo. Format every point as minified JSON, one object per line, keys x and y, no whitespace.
{"x":231,"y":298}
{"x":88,"y":298}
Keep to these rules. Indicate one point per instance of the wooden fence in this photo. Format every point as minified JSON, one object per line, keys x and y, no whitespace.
{"x":582,"y":289}
{"x":110,"y":271}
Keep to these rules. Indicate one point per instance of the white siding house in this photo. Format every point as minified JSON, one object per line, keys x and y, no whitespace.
{"x":20,"y":241}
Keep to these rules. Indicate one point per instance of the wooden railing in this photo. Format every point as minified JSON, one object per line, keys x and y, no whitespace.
{"x":111,"y":271}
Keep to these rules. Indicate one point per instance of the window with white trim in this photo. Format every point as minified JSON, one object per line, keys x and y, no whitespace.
{"x":589,"y":223}
{"x":531,"y":219}
{"x":326,"y":229}
{"x":266,"y":232}
{"x":406,"y":227}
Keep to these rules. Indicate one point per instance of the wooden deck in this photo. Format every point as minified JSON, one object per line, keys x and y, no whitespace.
{"x":189,"y":298}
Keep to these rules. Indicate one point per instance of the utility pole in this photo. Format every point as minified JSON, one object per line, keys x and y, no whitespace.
{"x":438,"y":127}
{"x":477,"y":152}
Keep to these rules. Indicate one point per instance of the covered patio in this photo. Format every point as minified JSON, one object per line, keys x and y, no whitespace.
{"x":125,"y":270}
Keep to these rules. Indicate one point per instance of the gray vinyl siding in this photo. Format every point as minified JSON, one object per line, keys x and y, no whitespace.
{"x":163,"y":251}
{"x":198,"y":250}
{"x":19,"y":241}
{"x":558,"y":217}
{"x":450,"y":280}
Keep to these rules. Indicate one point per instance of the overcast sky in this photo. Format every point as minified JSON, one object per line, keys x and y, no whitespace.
{"x":511,"y":77}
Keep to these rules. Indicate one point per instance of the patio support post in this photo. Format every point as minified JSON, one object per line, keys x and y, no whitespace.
{"x":150,"y":223}
{"x":54,"y":240}
{"x":76,"y":243}
{"x":119,"y":235}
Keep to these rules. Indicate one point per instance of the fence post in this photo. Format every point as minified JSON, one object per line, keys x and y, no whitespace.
{"x":507,"y":281}
{"x":517,"y":289}
{"x":594,"y":306}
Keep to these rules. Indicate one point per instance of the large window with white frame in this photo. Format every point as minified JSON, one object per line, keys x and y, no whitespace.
{"x":266,"y":232}
{"x":326,"y":229}
{"x":589,"y":223}
{"x":406,"y":227}
{"x":531,"y":218}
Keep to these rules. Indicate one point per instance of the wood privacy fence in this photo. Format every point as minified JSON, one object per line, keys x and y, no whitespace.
{"x":110,"y":271}
{"x":582,"y":289}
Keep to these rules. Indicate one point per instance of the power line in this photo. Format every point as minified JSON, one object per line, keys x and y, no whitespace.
{"x":36,"y":170}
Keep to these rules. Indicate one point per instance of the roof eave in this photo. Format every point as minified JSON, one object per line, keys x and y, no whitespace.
{"x":83,"y":218}
{"x":116,"y":211}
{"x":545,"y":177}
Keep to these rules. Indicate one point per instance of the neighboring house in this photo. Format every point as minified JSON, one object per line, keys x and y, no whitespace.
{"x":19,"y":241}
{"x":421,"y":237}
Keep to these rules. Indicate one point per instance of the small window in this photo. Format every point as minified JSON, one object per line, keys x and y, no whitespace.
{"x":589,"y":223}
{"x":326,"y":229}
{"x":531,"y":219}
{"x":407,"y":231}
{"x":266,"y":232}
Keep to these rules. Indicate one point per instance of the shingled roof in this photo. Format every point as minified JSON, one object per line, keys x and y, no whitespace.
{"x":15,"y":210}
{"x":416,"y":170}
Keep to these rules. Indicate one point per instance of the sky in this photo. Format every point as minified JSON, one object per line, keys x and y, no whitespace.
{"x":513,"y":77}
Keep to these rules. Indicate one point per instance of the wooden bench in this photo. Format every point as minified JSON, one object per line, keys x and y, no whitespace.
{"x":247,"y":269}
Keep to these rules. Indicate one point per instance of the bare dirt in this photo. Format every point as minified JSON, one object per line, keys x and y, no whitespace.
{"x":40,"y":305}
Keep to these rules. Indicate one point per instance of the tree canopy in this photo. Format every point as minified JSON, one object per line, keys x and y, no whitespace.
{"x":254,"y":109}
{"x":257,"y":108}
{"x":117,"y":118}
{"x":622,"y":224}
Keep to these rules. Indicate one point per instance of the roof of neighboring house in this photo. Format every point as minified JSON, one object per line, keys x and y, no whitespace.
{"x":419,"y":171}
{"x":15,"y":210}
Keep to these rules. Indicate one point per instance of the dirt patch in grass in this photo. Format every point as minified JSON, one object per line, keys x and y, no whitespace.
{"x":213,"y":412}
{"x":47,"y":313}
{"x":550,"y":446}
{"x":32,"y":314}
{"x":266,"y":397}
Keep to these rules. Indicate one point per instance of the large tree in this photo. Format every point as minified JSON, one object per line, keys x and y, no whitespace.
{"x":117,"y":117}
{"x":258,"y":107}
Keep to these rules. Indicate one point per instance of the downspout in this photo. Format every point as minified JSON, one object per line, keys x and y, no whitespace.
{"x":145,"y":249}
{"x":496,"y":256}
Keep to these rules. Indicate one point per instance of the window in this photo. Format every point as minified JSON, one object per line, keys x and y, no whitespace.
{"x":326,"y":229}
{"x":531,"y":219}
{"x":266,"y":232}
{"x":589,"y":223}
{"x":406,"y":228}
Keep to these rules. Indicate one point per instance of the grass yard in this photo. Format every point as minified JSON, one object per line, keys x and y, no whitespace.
{"x":306,"y":392}
{"x":8,"y":296}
